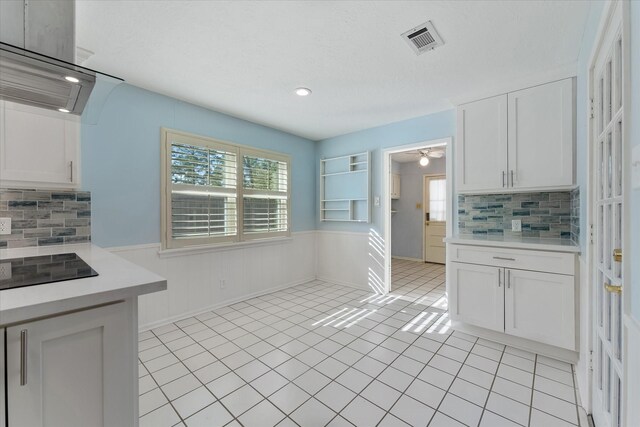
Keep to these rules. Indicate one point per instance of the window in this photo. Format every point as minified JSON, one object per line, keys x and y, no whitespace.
{"x":437,"y":198}
{"x":217,"y":192}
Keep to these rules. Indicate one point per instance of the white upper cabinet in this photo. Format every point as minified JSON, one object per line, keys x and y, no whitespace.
{"x":523,"y":140}
{"x":541,"y":136}
{"x":481,"y":154}
{"x":38,"y":148}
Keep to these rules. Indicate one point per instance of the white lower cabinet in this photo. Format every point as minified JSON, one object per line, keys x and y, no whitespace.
{"x":535,"y":304}
{"x":477,"y":297}
{"x":75,"y":369}
{"x":540,"y":307}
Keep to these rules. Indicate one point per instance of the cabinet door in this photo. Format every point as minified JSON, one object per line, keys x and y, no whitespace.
{"x":481,"y":146}
{"x":476,"y":295}
{"x":541,"y":136}
{"x":541,"y":307}
{"x":37,"y":147}
{"x":80,"y":369}
{"x":395,"y":186}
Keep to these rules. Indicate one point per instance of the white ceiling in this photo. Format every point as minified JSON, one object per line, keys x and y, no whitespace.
{"x":245,"y":58}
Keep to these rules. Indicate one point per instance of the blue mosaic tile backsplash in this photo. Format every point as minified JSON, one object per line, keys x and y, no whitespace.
{"x":543,"y":214}
{"x":45,"y":217}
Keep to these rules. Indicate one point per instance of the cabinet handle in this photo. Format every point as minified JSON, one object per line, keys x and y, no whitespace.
{"x":499,"y":277}
{"x":508,"y":279}
{"x":23,"y":357}
{"x":71,"y":171}
{"x":504,"y":259}
{"x":512,"y":178}
{"x":504,"y":174}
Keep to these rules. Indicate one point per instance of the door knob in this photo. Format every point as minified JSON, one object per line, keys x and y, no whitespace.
{"x":613,"y":288}
{"x":617,"y":255}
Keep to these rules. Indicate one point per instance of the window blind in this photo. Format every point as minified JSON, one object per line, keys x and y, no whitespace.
{"x":265,"y":195}
{"x":203,"y":192}
{"x":218,"y":192}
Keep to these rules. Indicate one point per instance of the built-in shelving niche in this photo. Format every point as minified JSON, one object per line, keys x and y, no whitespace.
{"x":345,"y":187}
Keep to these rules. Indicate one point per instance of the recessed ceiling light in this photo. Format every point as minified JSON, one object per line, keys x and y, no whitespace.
{"x":63,"y":110}
{"x":303,"y":91}
{"x":72,"y":79}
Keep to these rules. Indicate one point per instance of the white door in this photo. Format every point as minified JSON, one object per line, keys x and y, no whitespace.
{"x":541,"y":136}
{"x":37,"y":147}
{"x":477,"y":295}
{"x":73,"y":370}
{"x":435,"y":203}
{"x":481,"y":148}
{"x":540,"y":307}
{"x":607,"y":281}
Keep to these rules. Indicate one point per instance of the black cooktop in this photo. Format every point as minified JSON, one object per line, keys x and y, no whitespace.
{"x":38,"y":270}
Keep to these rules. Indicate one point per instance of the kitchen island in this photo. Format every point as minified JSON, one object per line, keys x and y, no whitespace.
{"x":69,"y":348}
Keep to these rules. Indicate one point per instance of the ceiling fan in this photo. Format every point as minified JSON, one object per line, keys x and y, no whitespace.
{"x":429,"y":153}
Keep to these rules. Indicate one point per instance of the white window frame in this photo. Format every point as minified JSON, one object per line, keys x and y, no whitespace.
{"x":168,"y":136}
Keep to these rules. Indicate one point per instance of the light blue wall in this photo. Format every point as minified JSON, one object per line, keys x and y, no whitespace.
{"x":121,"y":161}
{"x":406,"y":224}
{"x":424,"y":128}
{"x":634,"y":127}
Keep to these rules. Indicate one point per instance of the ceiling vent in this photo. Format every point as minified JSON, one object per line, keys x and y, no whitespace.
{"x":423,"y":38}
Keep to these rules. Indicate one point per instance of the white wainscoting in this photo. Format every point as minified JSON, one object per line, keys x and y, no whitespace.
{"x":632,"y":380}
{"x":351,"y":259}
{"x":199,"y":282}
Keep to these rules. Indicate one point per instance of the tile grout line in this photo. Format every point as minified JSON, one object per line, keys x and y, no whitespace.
{"x":484,"y":408}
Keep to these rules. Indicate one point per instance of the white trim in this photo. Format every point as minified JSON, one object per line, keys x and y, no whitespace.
{"x":231,"y":301}
{"x":406,"y":258}
{"x":170,"y":253}
{"x":386,"y":194}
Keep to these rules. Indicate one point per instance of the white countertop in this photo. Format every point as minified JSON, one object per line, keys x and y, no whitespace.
{"x":537,"y":243}
{"x":117,"y":279}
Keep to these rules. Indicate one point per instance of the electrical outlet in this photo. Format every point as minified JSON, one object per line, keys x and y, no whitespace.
{"x":516,"y":225}
{"x":222,"y":284}
{"x":5,"y":271}
{"x":376,"y":201}
{"x":5,"y":225}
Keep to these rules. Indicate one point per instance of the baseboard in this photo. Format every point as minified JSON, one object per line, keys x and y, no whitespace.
{"x":156,"y":324}
{"x":342,"y":283}
{"x":521,"y":343}
{"x":406,"y":258}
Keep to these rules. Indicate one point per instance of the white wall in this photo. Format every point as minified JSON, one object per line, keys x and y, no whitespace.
{"x":194,"y":279}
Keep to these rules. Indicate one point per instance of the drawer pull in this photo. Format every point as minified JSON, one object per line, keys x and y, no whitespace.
{"x":23,"y":357}
{"x":504,"y":259}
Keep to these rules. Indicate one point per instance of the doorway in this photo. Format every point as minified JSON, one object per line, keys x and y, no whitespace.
{"x":406,"y":205}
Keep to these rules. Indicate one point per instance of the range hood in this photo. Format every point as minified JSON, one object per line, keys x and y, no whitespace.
{"x":37,"y":45}
{"x":31,"y":78}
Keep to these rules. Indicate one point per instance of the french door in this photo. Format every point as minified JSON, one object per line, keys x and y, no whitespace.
{"x":608,"y":225}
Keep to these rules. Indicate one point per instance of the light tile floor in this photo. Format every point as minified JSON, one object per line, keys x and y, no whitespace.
{"x":320,"y":354}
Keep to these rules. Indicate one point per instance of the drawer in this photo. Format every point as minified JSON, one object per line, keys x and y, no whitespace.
{"x":550,"y":262}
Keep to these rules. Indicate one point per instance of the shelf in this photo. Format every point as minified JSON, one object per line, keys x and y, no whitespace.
{"x":343,"y":173}
{"x":344,"y":200}
{"x":345,"y":181}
